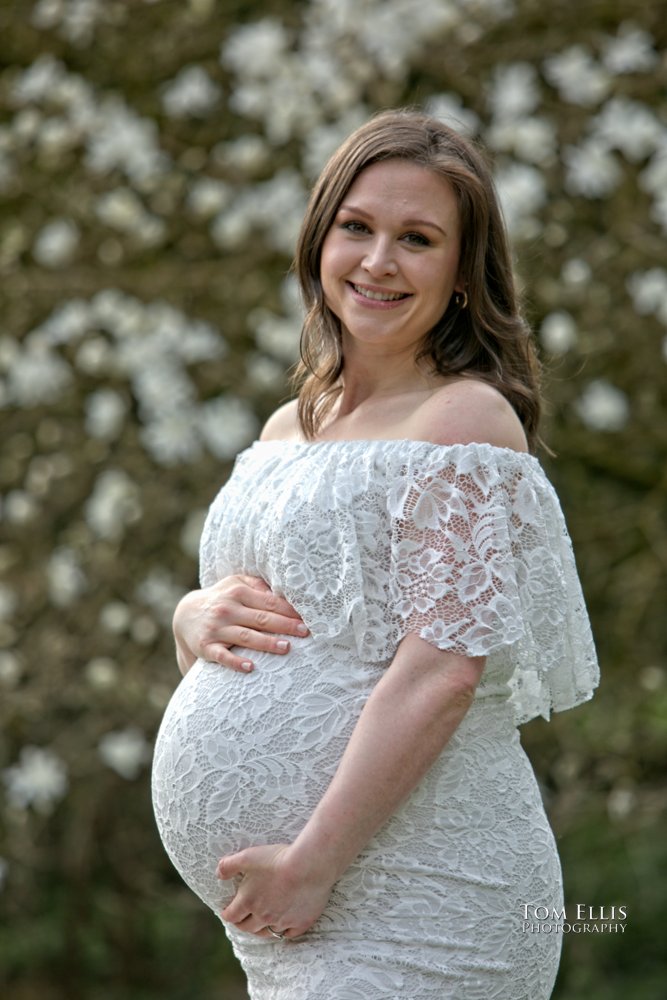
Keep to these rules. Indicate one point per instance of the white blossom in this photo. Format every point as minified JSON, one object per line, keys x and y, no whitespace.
{"x":631,"y":51}
{"x":47,"y":13}
{"x":106,"y":410}
{"x":65,"y":578}
{"x":121,"y":140}
{"x":37,"y":376}
{"x":4,"y":872}
{"x":256,"y":49}
{"x":227,"y":424}
{"x":95,"y":356}
{"x":116,"y":312}
{"x":161,"y":387}
{"x":620,"y":803}
{"x":173,"y":437}
{"x":449,"y":108}
{"x":144,"y":630}
{"x":11,"y":668}
{"x":39,"y":779}
{"x":74,"y":20}
{"x":577,"y":77}
{"x":576,"y":272}
{"x":8,"y":602}
{"x":121,"y":209}
{"x":160,"y":592}
{"x":200,"y":341}
{"x":125,"y":751}
{"x":325,"y":139}
{"x":653,"y":178}
{"x":39,"y":81}
{"x":394,"y":33}
{"x":9,"y":351}
{"x":629,"y":126}
{"x":232,"y":227}
{"x":101,"y":673}
{"x":115,"y":617}
{"x":248,"y":153}
{"x":265,"y":373}
{"x":603,"y":407}
{"x":558,"y":332}
{"x":25,"y":127}
{"x":530,"y":139}
{"x":591,"y":170}
{"x":659,"y":210}
{"x":69,"y":321}
{"x":191,"y":531}
{"x":652,"y":677}
{"x":56,"y":243}
{"x":286,"y":105}
{"x":514,"y":92}
{"x":522,"y":192}
{"x":279,"y":207}
{"x":20,"y":507}
{"x":55,"y":137}
{"x":191,"y":94}
{"x":276,"y":335}
{"x":648,"y":290}
{"x":115,"y":504}
{"x":208,"y":196}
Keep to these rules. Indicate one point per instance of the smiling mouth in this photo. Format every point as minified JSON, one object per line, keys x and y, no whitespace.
{"x":379,"y":296}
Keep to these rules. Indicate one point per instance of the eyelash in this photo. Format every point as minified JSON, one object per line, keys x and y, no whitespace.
{"x":355,"y":228}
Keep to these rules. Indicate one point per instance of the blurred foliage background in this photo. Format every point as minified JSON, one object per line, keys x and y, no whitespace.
{"x":155,"y":159}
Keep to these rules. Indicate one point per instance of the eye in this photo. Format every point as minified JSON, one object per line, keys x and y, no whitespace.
{"x":354,"y":227}
{"x":417,"y":239}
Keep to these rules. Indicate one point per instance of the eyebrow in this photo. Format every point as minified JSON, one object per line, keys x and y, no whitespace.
{"x":406,"y":222}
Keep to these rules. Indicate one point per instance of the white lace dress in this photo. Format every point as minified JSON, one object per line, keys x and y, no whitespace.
{"x":369,"y":540}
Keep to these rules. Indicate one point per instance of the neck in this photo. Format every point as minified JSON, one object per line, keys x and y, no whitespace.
{"x":368,"y":379}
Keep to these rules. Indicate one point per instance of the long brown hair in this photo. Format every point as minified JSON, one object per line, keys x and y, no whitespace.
{"x":489,"y":339}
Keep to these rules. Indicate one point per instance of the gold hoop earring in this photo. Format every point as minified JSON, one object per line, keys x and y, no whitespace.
{"x":461,"y":300}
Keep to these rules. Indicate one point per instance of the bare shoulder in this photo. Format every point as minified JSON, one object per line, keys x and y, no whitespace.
{"x":283,"y":424}
{"x":468,"y":411}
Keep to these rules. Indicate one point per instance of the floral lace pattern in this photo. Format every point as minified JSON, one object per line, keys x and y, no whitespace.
{"x":465,"y":545}
{"x":370,"y":540}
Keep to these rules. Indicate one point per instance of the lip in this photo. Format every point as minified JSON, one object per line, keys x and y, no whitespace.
{"x":380,"y":289}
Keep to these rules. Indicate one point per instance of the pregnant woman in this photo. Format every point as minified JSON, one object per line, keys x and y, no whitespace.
{"x":360,"y":812}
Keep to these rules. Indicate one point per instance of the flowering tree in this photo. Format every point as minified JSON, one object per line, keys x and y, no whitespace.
{"x":155,"y":161}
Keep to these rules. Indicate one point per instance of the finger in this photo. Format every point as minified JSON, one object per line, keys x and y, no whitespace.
{"x":231,"y":865}
{"x":236,"y":913}
{"x":262,"y":600}
{"x":256,"y":582}
{"x":252,"y":925}
{"x":272,"y":621}
{"x":219,"y":653}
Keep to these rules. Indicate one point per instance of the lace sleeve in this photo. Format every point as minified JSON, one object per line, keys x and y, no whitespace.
{"x":482,"y":562}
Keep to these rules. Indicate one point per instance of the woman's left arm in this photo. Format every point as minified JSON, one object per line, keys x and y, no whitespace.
{"x":404,"y":726}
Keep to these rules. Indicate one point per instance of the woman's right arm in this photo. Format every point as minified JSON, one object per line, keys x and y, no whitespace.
{"x":236,"y":611}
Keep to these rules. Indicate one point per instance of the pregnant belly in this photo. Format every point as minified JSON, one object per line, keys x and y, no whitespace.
{"x":242,"y":759}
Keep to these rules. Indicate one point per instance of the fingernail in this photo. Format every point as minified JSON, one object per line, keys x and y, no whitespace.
{"x":302,"y":629}
{"x":283,"y":644}
{"x":247,"y":665}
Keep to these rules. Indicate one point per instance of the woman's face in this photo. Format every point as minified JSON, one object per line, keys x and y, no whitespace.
{"x":390,"y":261}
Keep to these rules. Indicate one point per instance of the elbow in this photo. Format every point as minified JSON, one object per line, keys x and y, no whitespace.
{"x":460,"y":678}
{"x":462,"y":691}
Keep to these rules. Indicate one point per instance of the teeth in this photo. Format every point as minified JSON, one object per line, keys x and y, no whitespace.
{"x":379,"y":296}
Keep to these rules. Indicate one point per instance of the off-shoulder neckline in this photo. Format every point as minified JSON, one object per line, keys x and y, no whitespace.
{"x":475,"y":446}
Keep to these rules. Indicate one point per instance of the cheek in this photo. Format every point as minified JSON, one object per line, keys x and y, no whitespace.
{"x":333,"y":264}
{"x":331,"y":260}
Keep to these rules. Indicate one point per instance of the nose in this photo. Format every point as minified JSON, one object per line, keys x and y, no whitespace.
{"x":379,"y":259}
